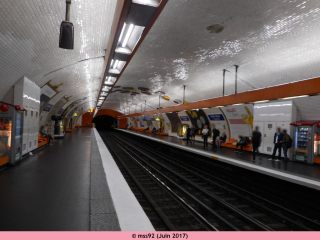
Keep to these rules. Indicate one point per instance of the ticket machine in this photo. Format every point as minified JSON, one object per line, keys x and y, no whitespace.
{"x":11,"y":125}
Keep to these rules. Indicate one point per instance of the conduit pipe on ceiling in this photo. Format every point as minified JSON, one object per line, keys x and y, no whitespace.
{"x":236,"y":79}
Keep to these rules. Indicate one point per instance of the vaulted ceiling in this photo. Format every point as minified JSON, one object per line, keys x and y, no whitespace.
{"x":273,"y":42}
{"x":29,"y":45}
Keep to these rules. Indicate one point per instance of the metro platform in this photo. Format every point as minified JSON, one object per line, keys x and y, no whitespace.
{"x":299,"y":173}
{"x":73,"y":185}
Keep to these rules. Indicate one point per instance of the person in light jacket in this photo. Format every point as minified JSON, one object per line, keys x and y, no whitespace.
{"x":205,"y":134}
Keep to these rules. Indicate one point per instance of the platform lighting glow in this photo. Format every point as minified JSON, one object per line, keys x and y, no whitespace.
{"x":237,"y":104}
{"x":126,"y":39}
{"x":262,"y":101}
{"x":115,"y":64}
{"x":121,"y":34}
{"x":112,"y":61}
{"x":219,"y":106}
{"x":295,"y":97}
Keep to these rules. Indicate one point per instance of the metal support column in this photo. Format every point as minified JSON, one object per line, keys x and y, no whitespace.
{"x":224,"y":79}
{"x":236,"y":79}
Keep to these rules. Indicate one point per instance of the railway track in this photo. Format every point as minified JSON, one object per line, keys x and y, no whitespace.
{"x":223,"y":205}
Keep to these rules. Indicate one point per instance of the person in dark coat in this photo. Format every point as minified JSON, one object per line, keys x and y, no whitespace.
{"x":215,"y":134}
{"x":277,"y":145}
{"x":192,"y":133}
{"x":256,"y":141}
{"x":188,"y":134}
{"x":285,"y":145}
{"x":242,"y":142}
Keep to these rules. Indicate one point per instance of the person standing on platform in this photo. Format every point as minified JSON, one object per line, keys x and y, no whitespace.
{"x":205,"y":134}
{"x":256,"y":141}
{"x":285,"y":145}
{"x":153,"y":131}
{"x":277,"y":145}
{"x":215,"y":134}
{"x":192,"y":134}
{"x":188,"y":134}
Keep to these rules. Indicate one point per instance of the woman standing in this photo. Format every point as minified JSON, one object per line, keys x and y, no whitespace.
{"x":205,"y":133}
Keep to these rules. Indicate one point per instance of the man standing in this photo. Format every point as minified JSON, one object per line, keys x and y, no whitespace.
{"x":277,"y":145}
{"x":285,"y":145}
{"x":188,"y":134}
{"x":215,"y":134}
{"x":256,"y":141}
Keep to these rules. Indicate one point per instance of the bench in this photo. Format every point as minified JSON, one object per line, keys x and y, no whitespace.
{"x":231,"y":145}
{"x":164,"y":134}
{"x":42,"y":140}
{"x":4,"y":160}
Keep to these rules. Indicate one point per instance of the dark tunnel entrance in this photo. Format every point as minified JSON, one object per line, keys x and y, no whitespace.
{"x":104,"y":122}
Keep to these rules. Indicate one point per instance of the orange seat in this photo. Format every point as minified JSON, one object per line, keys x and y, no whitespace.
{"x":230,"y":141}
{"x":4,"y":160}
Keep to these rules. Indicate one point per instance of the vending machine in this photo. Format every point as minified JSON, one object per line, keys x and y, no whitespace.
{"x":11,"y":126}
{"x":306,"y":141}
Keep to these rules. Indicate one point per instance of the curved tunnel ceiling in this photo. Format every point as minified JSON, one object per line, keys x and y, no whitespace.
{"x":29,"y":40}
{"x":273,"y":42}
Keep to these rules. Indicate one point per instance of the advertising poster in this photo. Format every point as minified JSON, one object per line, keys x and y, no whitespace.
{"x":135,"y":122}
{"x":198,"y":119}
{"x":216,"y":117}
{"x":240,"y":120}
{"x":174,"y":120}
{"x":162,"y":123}
{"x":45,"y":95}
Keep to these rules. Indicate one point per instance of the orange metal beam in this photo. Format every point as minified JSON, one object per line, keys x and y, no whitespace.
{"x":305,"y":87}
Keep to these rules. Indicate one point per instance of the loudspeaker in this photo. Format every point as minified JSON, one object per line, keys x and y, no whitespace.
{"x":66,"y":35}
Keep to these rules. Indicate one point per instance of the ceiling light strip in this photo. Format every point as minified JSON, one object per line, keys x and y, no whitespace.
{"x":126,"y":39}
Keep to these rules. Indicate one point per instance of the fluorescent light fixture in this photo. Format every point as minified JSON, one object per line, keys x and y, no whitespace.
{"x":112,"y":61}
{"x":237,"y":104}
{"x":152,"y":3}
{"x":126,"y":39}
{"x":205,"y":108}
{"x":115,"y":64}
{"x":121,"y":34}
{"x":219,"y":106}
{"x":262,"y":101}
{"x":295,"y":97}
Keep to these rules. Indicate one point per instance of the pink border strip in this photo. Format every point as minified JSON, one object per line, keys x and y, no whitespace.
{"x":159,"y":235}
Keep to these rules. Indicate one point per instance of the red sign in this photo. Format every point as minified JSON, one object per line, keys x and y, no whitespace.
{"x":231,"y":110}
{"x":4,"y":108}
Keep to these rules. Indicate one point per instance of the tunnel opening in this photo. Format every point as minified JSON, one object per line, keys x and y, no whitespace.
{"x":104,"y":122}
